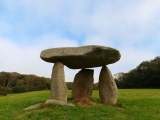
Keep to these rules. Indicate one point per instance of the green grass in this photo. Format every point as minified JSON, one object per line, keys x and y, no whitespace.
{"x":137,"y":104}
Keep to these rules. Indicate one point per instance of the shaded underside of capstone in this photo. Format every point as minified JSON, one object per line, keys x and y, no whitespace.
{"x":81,"y":57}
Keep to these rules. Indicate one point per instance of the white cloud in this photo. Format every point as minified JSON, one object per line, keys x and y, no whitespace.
{"x":129,"y":28}
{"x":132,"y":27}
{"x":19,"y":59}
{"x":50,"y":41}
{"x":27,"y":60}
{"x":146,"y":11}
{"x":44,"y":8}
{"x":97,"y":40}
{"x":130,"y":59}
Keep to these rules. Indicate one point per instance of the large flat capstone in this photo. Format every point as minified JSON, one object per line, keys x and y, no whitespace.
{"x":81,"y":57}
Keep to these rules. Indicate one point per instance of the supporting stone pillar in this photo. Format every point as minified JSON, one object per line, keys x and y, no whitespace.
{"x":83,"y":84}
{"x":58,"y":85}
{"x":107,"y":87}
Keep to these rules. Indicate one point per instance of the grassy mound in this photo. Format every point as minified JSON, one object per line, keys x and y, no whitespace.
{"x":133,"y":104}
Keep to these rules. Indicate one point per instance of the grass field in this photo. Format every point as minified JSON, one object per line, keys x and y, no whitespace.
{"x":135,"y":104}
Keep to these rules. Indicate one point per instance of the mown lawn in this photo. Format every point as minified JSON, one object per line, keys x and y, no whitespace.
{"x":133,"y":104}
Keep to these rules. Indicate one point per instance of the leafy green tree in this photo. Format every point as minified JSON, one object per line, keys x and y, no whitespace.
{"x":146,"y":75}
{"x":22,"y":83}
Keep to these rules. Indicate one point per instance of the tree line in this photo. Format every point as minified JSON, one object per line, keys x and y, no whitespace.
{"x":13,"y":82}
{"x":145,"y":75}
{"x":16,"y":83}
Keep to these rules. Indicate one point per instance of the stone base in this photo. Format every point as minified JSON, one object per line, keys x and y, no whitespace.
{"x":52,"y":101}
{"x":83,"y":101}
{"x":48,"y":102}
{"x":36,"y":106}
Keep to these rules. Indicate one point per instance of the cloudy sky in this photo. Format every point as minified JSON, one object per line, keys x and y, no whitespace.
{"x":29,"y":26}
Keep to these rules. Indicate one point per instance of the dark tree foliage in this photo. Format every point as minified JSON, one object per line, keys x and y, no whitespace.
{"x":69,"y":85}
{"x":22,"y":83}
{"x":18,"y":83}
{"x":146,"y":75}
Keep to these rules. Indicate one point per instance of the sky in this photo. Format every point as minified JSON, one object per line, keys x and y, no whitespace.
{"x":29,"y":26}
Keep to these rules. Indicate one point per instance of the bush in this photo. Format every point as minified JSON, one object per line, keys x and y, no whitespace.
{"x":95,"y":86}
{"x":69,"y":85}
{"x":3,"y":90}
{"x":19,"y":89}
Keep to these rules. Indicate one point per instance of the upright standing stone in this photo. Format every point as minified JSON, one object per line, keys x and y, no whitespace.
{"x":83,"y":84}
{"x":107,"y":87}
{"x":58,"y":85}
{"x":80,"y":58}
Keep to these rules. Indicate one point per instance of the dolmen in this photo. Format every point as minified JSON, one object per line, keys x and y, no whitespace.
{"x":83,"y":58}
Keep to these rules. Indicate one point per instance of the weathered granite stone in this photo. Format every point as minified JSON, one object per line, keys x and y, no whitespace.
{"x":58,"y":85}
{"x":83,"y":84}
{"x":107,"y":87}
{"x":81,"y":57}
{"x":52,"y":101}
{"x":36,"y":106}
